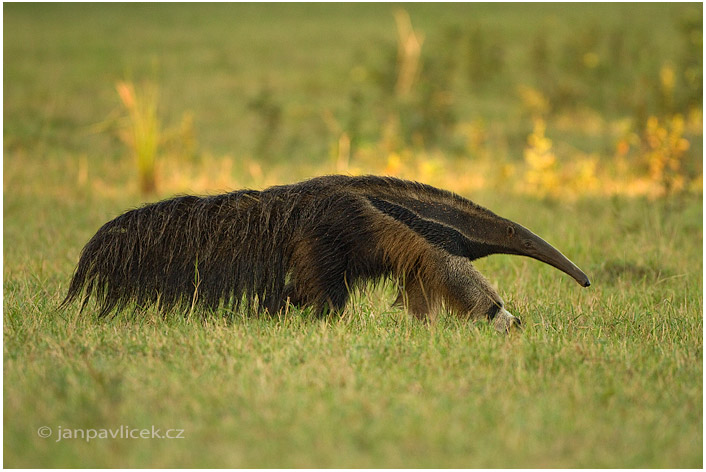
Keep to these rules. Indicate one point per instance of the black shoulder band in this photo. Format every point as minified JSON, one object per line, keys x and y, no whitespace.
{"x":440,"y":235}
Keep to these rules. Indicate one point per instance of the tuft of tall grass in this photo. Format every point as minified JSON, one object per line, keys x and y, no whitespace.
{"x":142,"y":132}
{"x":409,"y":49}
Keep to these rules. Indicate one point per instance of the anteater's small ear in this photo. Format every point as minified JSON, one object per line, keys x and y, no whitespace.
{"x":510,"y":231}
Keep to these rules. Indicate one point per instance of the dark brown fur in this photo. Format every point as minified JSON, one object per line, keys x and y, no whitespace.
{"x":308,"y":244}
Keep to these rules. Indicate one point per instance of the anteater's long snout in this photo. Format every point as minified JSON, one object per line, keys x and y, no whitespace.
{"x":537,"y":248}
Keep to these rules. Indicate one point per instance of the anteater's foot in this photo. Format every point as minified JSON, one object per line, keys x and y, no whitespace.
{"x":505,"y":322}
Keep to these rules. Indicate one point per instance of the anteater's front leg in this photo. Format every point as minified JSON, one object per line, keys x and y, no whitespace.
{"x":416,"y":298}
{"x":470,"y":295}
{"x":463,"y":289}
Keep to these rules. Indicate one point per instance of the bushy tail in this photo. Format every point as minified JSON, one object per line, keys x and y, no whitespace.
{"x":189,"y":251}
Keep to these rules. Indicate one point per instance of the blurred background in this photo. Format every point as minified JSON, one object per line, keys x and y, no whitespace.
{"x":140,"y":101}
{"x":581,"y":121}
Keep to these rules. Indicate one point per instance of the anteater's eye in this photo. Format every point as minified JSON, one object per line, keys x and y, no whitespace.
{"x":510,"y":231}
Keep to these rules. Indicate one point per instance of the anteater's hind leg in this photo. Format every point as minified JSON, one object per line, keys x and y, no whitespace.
{"x":292,"y":296}
{"x":320,"y":284}
{"x":331,"y":297}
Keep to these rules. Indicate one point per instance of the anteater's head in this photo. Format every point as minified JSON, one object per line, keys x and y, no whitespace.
{"x":502,"y":236}
{"x":526,"y":243}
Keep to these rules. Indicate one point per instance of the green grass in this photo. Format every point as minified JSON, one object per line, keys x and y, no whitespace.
{"x":609,"y":376}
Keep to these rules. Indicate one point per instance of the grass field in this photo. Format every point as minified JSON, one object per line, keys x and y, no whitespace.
{"x":253,"y":95}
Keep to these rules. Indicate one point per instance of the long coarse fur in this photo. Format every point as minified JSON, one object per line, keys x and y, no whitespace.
{"x":309,"y":244}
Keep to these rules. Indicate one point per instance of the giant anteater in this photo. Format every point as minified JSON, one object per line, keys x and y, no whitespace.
{"x":308,"y":244}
